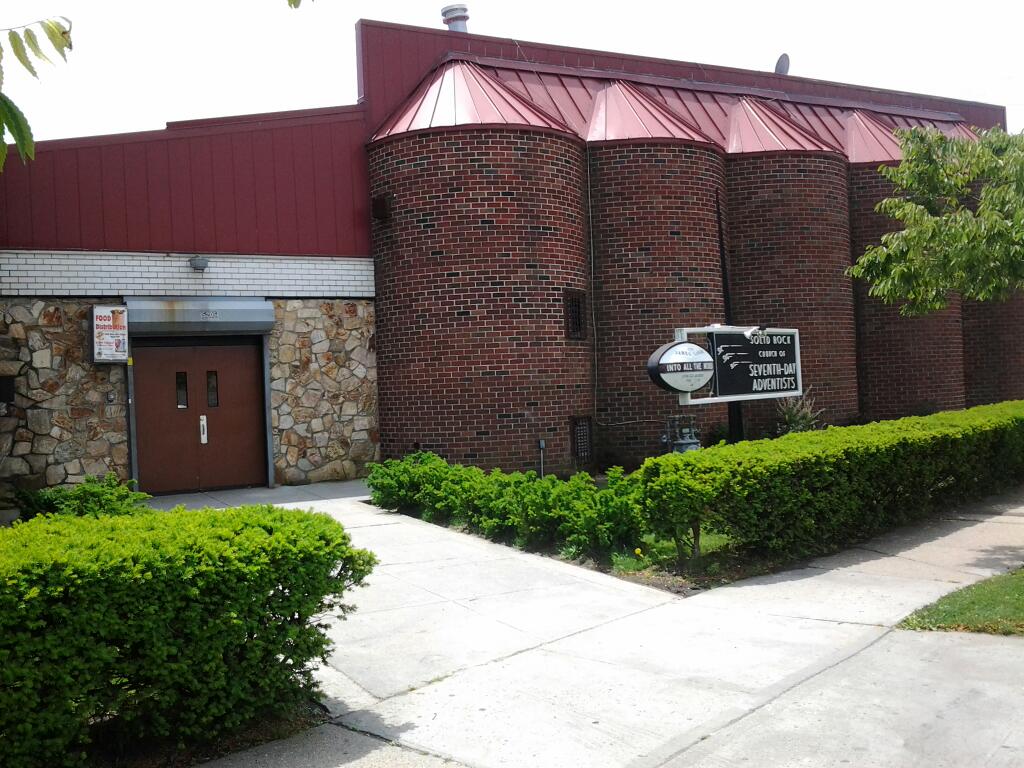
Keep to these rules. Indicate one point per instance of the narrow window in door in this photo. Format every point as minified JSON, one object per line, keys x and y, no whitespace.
{"x":181,"y":388}
{"x":212,"y":399}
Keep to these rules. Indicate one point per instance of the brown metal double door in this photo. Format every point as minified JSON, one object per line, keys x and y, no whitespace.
{"x":199,"y":415}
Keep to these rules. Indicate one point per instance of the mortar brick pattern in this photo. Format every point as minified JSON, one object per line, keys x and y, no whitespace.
{"x":907,"y":365}
{"x":789,"y":247}
{"x":657,"y":268}
{"x":994,"y":350}
{"x":105,"y":273}
{"x":487,"y":230}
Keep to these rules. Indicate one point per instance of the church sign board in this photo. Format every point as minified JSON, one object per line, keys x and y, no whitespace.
{"x":747,"y":363}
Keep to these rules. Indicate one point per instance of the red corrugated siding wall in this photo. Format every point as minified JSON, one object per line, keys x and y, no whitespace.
{"x":275,"y":186}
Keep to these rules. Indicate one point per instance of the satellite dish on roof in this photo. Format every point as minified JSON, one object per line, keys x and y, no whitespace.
{"x":782,"y":65}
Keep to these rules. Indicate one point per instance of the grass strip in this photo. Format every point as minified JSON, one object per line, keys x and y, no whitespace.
{"x":994,"y":606}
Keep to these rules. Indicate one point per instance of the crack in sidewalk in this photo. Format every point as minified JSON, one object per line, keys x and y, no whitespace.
{"x":448,"y":759}
{"x":688,"y":740}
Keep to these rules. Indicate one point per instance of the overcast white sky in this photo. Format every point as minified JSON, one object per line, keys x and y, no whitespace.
{"x":139,"y":64}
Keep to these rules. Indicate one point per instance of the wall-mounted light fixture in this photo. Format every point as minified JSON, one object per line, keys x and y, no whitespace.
{"x":199,"y":263}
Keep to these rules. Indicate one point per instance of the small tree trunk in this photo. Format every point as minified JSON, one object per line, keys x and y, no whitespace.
{"x":696,"y":540}
{"x":680,"y":553}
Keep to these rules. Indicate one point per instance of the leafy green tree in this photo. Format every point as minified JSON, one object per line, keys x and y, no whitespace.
{"x":21,"y":42}
{"x":961,"y":204}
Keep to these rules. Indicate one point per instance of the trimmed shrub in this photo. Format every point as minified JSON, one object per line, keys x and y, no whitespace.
{"x":396,"y":483}
{"x":517,"y":507}
{"x":676,"y":504}
{"x":92,"y":497}
{"x":797,"y":495}
{"x":816,"y":491}
{"x":613,"y":520}
{"x":183,"y":624}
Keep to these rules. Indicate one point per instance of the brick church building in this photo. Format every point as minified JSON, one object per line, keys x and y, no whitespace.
{"x":478,"y":255}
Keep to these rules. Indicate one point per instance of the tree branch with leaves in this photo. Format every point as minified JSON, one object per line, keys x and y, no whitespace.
{"x":23,"y":43}
{"x":961,"y":204}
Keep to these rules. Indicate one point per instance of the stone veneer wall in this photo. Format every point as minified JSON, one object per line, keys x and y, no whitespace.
{"x":323,"y":390}
{"x":68,"y":419}
{"x":69,"y":416}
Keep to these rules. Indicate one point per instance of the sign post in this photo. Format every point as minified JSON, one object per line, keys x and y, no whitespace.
{"x":109,"y":334}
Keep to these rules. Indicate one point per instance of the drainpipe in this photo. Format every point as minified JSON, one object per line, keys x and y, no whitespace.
{"x":735,"y":407}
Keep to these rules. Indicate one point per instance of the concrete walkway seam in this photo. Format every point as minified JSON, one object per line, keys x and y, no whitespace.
{"x":407,"y":747}
{"x":685,"y":741}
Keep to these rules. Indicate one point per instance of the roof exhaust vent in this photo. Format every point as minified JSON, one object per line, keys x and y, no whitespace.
{"x":455,"y":16}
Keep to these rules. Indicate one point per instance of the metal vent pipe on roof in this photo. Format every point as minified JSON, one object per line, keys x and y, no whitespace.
{"x":455,"y":16}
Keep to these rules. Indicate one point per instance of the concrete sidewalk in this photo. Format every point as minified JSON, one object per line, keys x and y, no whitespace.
{"x":466,"y":651}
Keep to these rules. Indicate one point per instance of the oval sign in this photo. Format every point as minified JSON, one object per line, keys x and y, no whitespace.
{"x":681,"y":367}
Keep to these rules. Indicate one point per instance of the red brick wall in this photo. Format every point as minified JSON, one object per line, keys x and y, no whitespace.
{"x":789,"y":247}
{"x":907,"y":365}
{"x":994,"y":350}
{"x":487,"y":230}
{"x":657,"y":268}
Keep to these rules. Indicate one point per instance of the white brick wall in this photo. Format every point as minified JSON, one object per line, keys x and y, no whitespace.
{"x":102,"y":273}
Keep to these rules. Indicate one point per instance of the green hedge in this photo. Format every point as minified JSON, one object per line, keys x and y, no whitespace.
{"x":517,"y":507}
{"x":816,"y":491}
{"x":92,"y":497}
{"x":176,"y":624}
{"x":797,"y":495}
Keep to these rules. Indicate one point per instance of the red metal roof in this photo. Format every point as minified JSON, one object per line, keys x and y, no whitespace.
{"x":605,"y":106}
{"x":756,"y":127}
{"x":460,"y":93}
{"x":394,"y":58}
{"x":963,"y":131}
{"x":707,"y":110}
{"x":570,"y":98}
{"x":622,"y":111}
{"x":869,"y":140}
{"x":641,"y":111}
{"x":826,"y":121}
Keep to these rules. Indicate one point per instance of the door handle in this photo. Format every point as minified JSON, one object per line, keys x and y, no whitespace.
{"x":202,"y":430}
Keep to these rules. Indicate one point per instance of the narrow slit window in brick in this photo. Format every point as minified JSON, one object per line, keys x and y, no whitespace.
{"x":575,"y":313}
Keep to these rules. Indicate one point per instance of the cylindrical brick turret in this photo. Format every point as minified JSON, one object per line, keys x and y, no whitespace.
{"x":789,"y":247}
{"x":657,"y":268}
{"x":907,"y":365}
{"x":480,"y":254}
